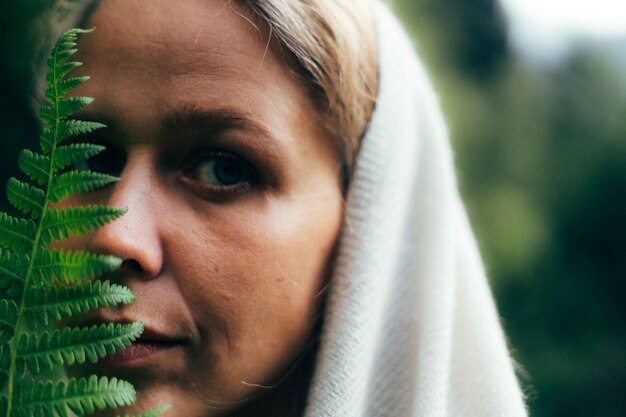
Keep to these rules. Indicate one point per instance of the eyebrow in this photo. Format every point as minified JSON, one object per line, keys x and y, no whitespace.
{"x":201,"y":124}
{"x":210,"y":124}
{"x":211,"y":121}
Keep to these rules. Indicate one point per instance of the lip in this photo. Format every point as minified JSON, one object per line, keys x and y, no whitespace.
{"x":147,"y":350}
{"x":140,"y":354}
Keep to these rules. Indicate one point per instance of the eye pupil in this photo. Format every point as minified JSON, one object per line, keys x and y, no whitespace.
{"x":228,"y":172}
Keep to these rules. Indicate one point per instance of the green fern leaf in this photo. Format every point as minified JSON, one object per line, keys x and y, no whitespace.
{"x":72,"y":127}
{"x":71,"y":105}
{"x":36,"y":166}
{"x":48,"y":140}
{"x":78,"y":182}
{"x":61,"y":71}
{"x":59,"y":303}
{"x":64,"y":108}
{"x":8,"y":318}
{"x":44,"y":351}
{"x":66,"y":50}
{"x":63,"y":87}
{"x":63,"y":49}
{"x":70,"y":84}
{"x":76,"y":152}
{"x":48,"y":115}
{"x":63,"y":52}
{"x":65,"y":129}
{"x":60,"y":224}
{"x":58,"y":266}
{"x":5,"y":362}
{"x":38,"y":284}
{"x":25,"y":197}
{"x":17,"y":234}
{"x":66,"y":68}
{"x":12,"y":271}
{"x":82,"y":396}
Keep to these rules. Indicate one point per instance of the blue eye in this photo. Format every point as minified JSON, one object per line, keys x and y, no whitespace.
{"x":221,"y":170}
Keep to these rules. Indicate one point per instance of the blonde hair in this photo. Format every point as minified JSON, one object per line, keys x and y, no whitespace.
{"x":332,"y":46}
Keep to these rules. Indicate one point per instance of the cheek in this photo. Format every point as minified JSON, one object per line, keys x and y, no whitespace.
{"x":255,"y":282}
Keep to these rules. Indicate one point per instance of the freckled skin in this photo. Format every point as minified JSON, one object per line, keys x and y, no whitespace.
{"x":238,"y":278}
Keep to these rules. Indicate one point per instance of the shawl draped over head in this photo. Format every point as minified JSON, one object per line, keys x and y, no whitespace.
{"x":411,"y":328}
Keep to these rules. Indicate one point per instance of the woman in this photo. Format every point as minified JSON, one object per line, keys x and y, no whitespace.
{"x":254,"y":217}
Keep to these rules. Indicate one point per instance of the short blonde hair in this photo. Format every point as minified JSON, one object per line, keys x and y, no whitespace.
{"x":332,"y":47}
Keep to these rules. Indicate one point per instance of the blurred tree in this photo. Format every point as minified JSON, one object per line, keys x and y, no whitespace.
{"x":475,"y":39}
{"x":17,"y":45}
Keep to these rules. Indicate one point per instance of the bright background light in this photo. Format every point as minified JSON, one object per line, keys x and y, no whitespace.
{"x":546,"y":28}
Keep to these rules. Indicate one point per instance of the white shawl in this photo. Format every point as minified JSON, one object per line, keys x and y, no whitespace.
{"x":411,"y":327}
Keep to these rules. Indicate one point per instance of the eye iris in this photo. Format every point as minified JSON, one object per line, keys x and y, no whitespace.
{"x":222,"y":171}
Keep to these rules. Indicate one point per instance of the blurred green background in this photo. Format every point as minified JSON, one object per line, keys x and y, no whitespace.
{"x":541,"y":156}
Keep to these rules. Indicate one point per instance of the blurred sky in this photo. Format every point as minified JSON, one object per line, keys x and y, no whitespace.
{"x":545,"y":30}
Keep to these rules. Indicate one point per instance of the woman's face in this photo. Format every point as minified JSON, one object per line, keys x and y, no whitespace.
{"x":233,"y":196}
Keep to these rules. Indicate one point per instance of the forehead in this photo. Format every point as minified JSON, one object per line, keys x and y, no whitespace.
{"x":158,"y":55}
{"x":176,"y":36}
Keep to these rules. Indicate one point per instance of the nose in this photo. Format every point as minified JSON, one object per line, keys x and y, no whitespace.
{"x":134,"y":237}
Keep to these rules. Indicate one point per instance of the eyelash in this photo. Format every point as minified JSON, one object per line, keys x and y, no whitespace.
{"x":219,"y":192}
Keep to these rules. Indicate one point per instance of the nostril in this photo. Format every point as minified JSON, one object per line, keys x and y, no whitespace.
{"x":131,"y":265}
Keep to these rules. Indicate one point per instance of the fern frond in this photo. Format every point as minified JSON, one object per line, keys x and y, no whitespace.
{"x":58,"y":266}
{"x":38,"y":284}
{"x":12,"y":271}
{"x":8,"y":318}
{"x":60,"y":224}
{"x":82,"y":396}
{"x":64,"y":108}
{"x":78,"y":182}
{"x":5,"y":362}
{"x":76,"y":152}
{"x":62,"y":70}
{"x":48,"y":140}
{"x":17,"y":234}
{"x":59,"y":303}
{"x":58,"y":67}
{"x":69,"y":84}
{"x":64,"y":48}
{"x":70,"y":127}
{"x":64,"y":129}
{"x":36,"y":166}
{"x":62,"y":52}
{"x":25,"y":197}
{"x":44,"y":351}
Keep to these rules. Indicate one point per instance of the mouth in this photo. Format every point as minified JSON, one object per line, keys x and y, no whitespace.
{"x":140,"y":354}
{"x":152,"y":347}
